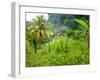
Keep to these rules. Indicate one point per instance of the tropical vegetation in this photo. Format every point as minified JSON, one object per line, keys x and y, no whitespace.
{"x":52,"y":44}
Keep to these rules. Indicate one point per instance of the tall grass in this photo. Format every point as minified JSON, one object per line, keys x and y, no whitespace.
{"x":59,"y":51}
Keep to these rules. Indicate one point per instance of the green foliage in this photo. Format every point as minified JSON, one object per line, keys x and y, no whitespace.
{"x":82,"y":22}
{"x":81,"y":32}
{"x":39,"y":31}
{"x":69,"y":48}
{"x":84,"y":25}
{"x":83,"y":28}
{"x":63,"y":51}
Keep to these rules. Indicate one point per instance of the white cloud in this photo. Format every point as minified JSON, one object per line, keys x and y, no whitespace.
{"x":30,"y":16}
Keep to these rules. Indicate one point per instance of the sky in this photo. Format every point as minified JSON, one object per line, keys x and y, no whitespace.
{"x":29,"y":16}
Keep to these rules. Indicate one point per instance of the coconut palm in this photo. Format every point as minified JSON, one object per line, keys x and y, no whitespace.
{"x":41,"y":30}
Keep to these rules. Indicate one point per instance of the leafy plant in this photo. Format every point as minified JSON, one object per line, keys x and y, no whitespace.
{"x":54,"y":47}
{"x":40,"y":31}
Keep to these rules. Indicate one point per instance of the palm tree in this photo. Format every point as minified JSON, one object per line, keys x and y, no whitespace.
{"x":41,"y":30}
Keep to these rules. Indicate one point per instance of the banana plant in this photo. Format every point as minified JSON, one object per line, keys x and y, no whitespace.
{"x":84,"y":26}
